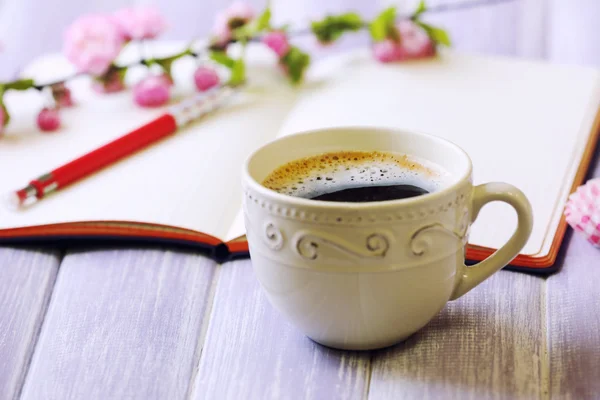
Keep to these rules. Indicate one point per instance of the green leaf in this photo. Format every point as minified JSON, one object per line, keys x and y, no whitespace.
{"x":438,"y":35}
{"x":237,"y":68}
{"x":222,"y":58}
{"x":421,"y":8}
{"x":247,"y":31}
{"x":2,"y":106}
{"x":332,"y":27}
{"x":166,"y":64}
{"x":21,"y":84}
{"x":264,"y":20}
{"x":121,"y":72}
{"x":382,"y":26}
{"x":296,"y":62}
{"x":238,"y":73}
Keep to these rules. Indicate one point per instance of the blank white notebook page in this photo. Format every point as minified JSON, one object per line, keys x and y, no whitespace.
{"x":521,"y":122}
{"x":190,"y":180}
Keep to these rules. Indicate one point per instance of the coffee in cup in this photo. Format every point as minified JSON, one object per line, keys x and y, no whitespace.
{"x":357,"y":177}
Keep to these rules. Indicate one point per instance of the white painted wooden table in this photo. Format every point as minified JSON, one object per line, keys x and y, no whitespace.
{"x":159,"y":324}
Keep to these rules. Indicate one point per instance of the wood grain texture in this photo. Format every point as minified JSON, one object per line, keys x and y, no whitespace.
{"x":573,"y":321}
{"x":486,"y":345}
{"x":128,"y":324}
{"x":26,"y":281}
{"x":251,"y":352}
{"x":121,"y":325}
{"x":573,"y":324}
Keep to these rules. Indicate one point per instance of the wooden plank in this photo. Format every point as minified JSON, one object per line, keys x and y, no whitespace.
{"x":485,"y":345}
{"x":26,"y":281}
{"x":122,"y":324}
{"x":573,"y":324}
{"x":573,"y":321}
{"x":251,"y":352}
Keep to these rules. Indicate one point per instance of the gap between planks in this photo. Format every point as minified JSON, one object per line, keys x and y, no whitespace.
{"x":204,"y":329}
{"x":60,"y":257}
{"x":545,"y":356}
{"x":31,"y":274}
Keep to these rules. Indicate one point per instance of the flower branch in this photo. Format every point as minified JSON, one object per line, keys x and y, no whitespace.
{"x":93,"y":43}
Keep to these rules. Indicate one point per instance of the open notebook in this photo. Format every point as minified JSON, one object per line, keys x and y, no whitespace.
{"x":526,"y":123}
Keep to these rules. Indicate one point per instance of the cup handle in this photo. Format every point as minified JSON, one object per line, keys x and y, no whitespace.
{"x":483,"y":194}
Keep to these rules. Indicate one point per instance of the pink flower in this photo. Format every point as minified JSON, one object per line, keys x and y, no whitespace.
{"x":111,"y":82}
{"x":205,"y":78}
{"x":239,"y":13}
{"x":221,"y":32}
{"x":62,"y":95}
{"x":113,"y":86}
{"x":2,"y":121}
{"x":386,"y":51}
{"x":278,"y":42}
{"x":236,"y":15}
{"x":92,"y":43}
{"x":153,"y":91}
{"x":48,"y":120}
{"x":414,"y":41}
{"x":140,"y":23}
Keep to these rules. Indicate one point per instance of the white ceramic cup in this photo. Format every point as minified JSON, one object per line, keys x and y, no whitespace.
{"x":368,"y":275}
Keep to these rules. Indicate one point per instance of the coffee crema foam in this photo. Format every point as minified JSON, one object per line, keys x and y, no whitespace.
{"x":330,"y":172}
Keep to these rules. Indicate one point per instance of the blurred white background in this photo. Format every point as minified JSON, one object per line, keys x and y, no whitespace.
{"x":562,"y":31}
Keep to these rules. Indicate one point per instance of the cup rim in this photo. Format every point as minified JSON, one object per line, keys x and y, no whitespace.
{"x":249,"y":181}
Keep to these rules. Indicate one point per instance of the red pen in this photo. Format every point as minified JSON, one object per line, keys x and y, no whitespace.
{"x":167,"y":124}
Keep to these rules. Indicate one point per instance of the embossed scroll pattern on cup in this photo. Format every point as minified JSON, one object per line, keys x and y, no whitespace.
{"x":308,"y":244}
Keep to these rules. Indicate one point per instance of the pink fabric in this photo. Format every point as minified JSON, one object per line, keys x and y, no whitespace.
{"x":583,"y":211}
